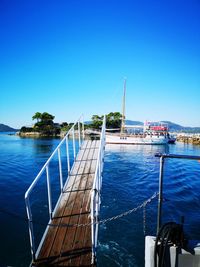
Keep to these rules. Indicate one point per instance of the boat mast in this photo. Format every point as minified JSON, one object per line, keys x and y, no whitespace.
{"x":123,"y":109}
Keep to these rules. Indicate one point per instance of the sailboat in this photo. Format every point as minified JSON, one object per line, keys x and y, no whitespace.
{"x":153,"y":133}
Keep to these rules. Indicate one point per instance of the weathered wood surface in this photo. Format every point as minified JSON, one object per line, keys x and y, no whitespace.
{"x":71,"y":245}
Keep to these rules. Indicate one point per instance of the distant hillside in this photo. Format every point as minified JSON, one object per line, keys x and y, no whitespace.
{"x":6,"y":128}
{"x":130,"y":122}
{"x":178,"y":128}
{"x":87,"y":122}
{"x":173,"y":127}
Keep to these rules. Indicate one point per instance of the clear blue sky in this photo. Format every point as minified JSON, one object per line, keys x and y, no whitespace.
{"x":70,"y":57}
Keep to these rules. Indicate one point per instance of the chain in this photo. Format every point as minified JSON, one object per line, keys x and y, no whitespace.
{"x":143,"y":205}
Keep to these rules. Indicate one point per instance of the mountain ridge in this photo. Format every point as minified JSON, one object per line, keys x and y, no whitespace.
{"x":6,"y":128}
{"x":172,"y":126}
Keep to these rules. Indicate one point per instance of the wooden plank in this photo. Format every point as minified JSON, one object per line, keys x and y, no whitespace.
{"x":44,"y":253}
{"x":65,"y":246}
{"x":61,"y":232}
{"x":83,"y":218}
{"x":76,"y":233}
{"x":86,"y":259}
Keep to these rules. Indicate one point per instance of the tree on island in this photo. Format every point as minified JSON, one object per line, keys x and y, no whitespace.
{"x":113,"y":121}
{"x":44,"y":125}
{"x":96,"y":121}
{"x":37,"y":116}
{"x":43,"y":118}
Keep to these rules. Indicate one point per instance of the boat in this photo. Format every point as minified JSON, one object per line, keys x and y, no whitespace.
{"x":171,"y":139}
{"x":151,"y":133}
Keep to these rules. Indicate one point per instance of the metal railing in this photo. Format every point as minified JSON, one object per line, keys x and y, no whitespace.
{"x":160,"y":197}
{"x":57,"y":152}
{"x":95,"y":193}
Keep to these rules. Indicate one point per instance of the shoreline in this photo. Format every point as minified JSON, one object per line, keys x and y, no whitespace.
{"x":189,"y":139}
{"x":38,"y":134}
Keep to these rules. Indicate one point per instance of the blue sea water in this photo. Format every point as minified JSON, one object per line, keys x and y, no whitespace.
{"x":130,"y":177}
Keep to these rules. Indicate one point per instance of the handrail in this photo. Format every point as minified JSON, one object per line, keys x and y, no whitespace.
{"x":95,"y":193}
{"x":46,"y":168}
{"x":160,"y":197}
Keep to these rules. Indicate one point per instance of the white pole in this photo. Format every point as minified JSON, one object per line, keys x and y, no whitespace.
{"x":74,"y":148}
{"x":67,"y":152}
{"x":60,"y":170}
{"x":49,"y":192}
{"x":79,"y":135}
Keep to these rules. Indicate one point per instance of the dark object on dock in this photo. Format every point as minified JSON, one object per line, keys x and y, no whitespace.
{"x":170,"y":234}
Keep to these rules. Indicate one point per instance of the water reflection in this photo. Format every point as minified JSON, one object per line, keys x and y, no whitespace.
{"x":44,"y":145}
{"x":153,"y":149}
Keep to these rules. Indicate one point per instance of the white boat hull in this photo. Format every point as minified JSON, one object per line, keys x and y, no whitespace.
{"x":132,"y":140}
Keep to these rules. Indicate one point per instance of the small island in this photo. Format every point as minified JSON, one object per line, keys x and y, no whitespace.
{"x":45,"y":126}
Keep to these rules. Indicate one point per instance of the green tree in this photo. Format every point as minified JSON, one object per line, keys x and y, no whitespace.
{"x":97,"y":121}
{"x":46,"y":117}
{"x":45,"y":124}
{"x":64,"y":124}
{"x":37,"y":116}
{"x":113,"y":120}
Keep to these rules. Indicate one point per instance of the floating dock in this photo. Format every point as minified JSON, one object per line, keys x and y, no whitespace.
{"x":70,"y":238}
{"x":71,"y":245}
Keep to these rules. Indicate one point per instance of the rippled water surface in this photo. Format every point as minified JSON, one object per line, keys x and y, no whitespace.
{"x":130,"y":177}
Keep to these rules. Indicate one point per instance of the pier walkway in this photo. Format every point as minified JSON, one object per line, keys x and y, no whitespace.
{"x":70,"y":238}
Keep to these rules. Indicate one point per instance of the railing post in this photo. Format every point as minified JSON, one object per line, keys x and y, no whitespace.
{"x":30,"y":228}
{"x":60,"y":170}
{"x":96,"y":217}
{"x":95,"y":195}
{"x":46,"y":168}
{"x":67,"y":152}
{"x":83,"y":130}
{"x":79,"y":135}
{"x":99,"y":177}
{"x":49,"y":191}
{"x":74,"y":145}
{"x":160,"y":198}
{"x":92,"y":227}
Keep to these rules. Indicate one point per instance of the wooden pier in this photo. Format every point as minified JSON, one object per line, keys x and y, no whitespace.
{"x":65,"y":243}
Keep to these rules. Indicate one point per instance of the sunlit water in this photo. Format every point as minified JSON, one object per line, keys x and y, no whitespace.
{"x":130,"y":177}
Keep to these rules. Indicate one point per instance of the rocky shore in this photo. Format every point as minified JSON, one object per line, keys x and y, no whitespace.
{"x":189,"y":139}
{"x":38,"y":134}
